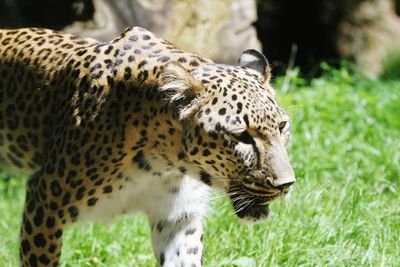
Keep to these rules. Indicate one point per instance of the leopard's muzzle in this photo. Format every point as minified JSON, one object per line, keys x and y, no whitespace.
{"x":251,"y":200}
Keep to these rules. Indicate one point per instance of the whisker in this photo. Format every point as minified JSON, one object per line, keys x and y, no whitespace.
{"x":243,"y":206}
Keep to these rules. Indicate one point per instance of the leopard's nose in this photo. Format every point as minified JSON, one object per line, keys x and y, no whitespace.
{"x":284,"y":185}
{"x":284,"y":182}
{"x":280,"y":169}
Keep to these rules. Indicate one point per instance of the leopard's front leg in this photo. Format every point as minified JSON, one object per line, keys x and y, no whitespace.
{"x":176,"y":209}
{"x":42,"y":226}
{"x":178,"y":243}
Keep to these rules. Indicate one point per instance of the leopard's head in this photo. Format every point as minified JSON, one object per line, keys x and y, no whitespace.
{"x":234,"y":132}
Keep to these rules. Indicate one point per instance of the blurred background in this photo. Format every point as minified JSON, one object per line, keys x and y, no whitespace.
{"x":297,"y":33}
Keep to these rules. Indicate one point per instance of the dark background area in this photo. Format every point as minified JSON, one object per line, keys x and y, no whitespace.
{"x":311,"y":25}
{"x":54,"y":14}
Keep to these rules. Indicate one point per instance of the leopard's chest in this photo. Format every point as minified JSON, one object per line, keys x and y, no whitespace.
{"x":165,"y":193}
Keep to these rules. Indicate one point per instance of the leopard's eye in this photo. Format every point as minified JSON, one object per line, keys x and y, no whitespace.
{"x":282,"y":126}
{"x":244,"y":137}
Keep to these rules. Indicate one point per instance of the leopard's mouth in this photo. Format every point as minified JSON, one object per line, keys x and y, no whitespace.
{"x":251,"y":203}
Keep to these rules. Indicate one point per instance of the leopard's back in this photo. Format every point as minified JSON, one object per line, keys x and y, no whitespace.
{"x":50,"y":79}
{"x":31,"y":62}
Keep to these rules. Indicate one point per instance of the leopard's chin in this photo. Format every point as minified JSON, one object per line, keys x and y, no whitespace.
{"x":251,"y":204}
{"x":254,"y":214}
{"x":251,"y":209}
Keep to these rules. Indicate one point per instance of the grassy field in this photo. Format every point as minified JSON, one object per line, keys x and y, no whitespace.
{"x":344,"y":211}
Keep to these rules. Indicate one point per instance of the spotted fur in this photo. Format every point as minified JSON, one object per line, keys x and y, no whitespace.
{"x":132,"y":124}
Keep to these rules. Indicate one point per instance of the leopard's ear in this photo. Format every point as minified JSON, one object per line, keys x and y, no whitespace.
{"x":255,"y":60}
{"x":181,"y":89}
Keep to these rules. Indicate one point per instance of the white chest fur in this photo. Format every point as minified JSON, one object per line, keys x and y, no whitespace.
{"x":166,"y":194}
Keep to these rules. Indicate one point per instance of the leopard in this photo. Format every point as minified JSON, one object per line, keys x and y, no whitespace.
{"x":135,"y":124}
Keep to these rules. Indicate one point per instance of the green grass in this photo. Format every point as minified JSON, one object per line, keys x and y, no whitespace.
{"x":391,"y":65}
{"x":344,"y":211}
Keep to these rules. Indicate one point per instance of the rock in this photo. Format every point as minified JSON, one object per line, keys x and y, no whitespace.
{"x":370,"y":35}
{"x":219,"y":30}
